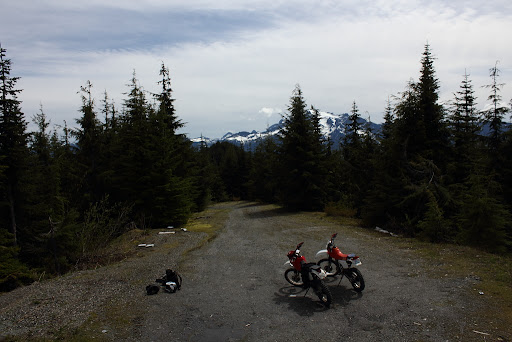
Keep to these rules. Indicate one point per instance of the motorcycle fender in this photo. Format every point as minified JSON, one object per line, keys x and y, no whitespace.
{"x":323,"y":251}
{"x":356,"y":263}
{"x":288,"y":263}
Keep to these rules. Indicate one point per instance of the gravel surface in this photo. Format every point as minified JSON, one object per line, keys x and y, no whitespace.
{"x":234,"y":290}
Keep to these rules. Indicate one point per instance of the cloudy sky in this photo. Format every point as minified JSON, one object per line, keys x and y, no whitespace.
{"x":235,"y":63}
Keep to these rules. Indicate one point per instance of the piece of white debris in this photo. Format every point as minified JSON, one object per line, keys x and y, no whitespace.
{"x":150,"y":245}
{"x":380,"y":230}
{"x":162,"y":233}
{"x":481,"y":333}
{"x":142,"y":245}
{"x":170,"y":227}
{"x":480,"y":292}
{"x":184,"y":229}
{"x":104,"y":331}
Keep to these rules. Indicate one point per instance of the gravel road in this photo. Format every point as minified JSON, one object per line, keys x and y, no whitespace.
{"x":234,"y":290}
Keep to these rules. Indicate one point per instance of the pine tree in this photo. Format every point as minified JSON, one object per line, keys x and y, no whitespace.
{"x":432,"y":113}
{"x":354,"y":171}
{"x":170,"y":161}
{"x":130,"y":180}
{"x":497,"y":111}
{"x":388,"y":121}
{"x":419,"y":151}
{"x":264,"y":173}
{"x":483,"y":220}
{"x":434,"y":227}
{"x":13,"y":148}
{"x":380,"y":205}
{"x":43,"y":195}
{"x":352,"y":135}
{"x":89,"y":147}
{"x":302,"y":158}
{"x":464,"y":124}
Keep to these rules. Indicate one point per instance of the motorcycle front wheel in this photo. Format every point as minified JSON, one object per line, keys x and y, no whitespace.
{"x":329,"y":267}
{"x":356,"y":278}
{"x":293,"y":277}
{"x":323,"y":293}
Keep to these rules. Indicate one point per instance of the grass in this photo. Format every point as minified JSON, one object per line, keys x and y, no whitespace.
{"x":491,"y":274}
{"x":209,"y":222}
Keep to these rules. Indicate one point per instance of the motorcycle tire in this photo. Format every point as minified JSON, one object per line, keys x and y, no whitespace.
{"x":329,"y":267}
{"x":323,"y":293}
{"x":293,"y":277}
{"x":356,"y":279}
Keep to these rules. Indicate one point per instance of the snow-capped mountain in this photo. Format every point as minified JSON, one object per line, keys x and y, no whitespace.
{"x":332,"y":126}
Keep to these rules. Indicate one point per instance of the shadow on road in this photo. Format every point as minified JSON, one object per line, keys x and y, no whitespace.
{"x":270,"y":212}
{"x":308,"y":304}
{"x":342,"y":292}
{"x":294,"y":297}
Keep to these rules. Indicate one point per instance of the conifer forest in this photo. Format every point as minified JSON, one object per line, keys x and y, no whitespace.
{"x":430,"y":173}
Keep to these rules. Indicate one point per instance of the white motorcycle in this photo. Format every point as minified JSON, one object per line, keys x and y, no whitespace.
{"x":332,"y":264}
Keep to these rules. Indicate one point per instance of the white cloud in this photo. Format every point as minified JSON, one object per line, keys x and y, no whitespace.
{"x":269,"y":112}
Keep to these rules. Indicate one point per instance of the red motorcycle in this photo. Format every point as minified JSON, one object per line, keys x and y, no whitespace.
{"x":307,"y":275}
{"x":333,"y":266}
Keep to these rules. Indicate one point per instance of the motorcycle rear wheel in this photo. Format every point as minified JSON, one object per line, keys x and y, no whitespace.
{"x":323,"y":293}
{"x":356,"y":279}
{"x":293,"y":277}
{"x":329,"y":267}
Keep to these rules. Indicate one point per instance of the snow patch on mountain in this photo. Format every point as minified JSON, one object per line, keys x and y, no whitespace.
{"x":332,"y":127}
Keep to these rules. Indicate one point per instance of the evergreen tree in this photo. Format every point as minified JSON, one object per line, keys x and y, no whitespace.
{"x":89,"y":147}
{"x":264,"y":172}
{"x":205,"y":177}
{"x":434,"y":227}
{"x":464,"y":125}
{"x":109,"y":140}
{"x":354,"y":171}
{"x":170,"y":161}
{"x":13,"y":149}
{"x":381,"y":205}
{"x":419,"y":151}
{"x":131,"y":182}
{"x":388,"y":120}
{"x":302,"y":158}
{"x":43,"y":198}
{"x":466,"y":149}
{"x":497,"y":111}
{"x":232,"y":166}
{"x":431,"y":112}
{"x":483,"y":220}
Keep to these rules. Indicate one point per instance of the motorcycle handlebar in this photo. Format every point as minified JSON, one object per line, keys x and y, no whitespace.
{"x":299,"y":245}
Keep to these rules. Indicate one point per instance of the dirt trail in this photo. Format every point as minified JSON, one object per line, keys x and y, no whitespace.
{"x":234,"y":290}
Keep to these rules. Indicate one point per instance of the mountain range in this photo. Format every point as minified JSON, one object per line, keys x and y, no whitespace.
{"x":333,"y":127}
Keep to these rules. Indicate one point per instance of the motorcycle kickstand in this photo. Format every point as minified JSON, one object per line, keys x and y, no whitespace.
{"x":340,"y":279}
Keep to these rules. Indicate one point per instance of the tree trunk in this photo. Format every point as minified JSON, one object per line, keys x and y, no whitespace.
{"x":10,"y":199}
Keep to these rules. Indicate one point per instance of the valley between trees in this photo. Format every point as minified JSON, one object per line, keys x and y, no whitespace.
{"x":232,"y":261}
{"x":67,"y":193}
